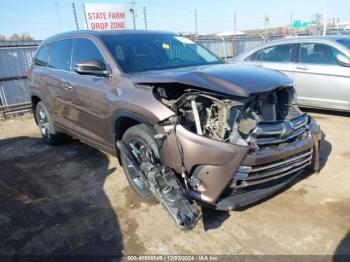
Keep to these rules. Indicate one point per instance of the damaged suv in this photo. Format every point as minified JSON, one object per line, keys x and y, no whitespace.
{"x":187,"y":128}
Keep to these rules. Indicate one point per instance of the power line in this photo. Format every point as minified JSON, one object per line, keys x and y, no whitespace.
{"x":58,"y":15}
{"x":31,"y":9}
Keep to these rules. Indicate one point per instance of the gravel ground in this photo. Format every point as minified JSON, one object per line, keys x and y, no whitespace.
{"x":73,"y":199}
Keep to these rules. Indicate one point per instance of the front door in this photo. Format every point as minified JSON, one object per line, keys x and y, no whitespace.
{"x":89,"y":108}
{"x":320,"y":80}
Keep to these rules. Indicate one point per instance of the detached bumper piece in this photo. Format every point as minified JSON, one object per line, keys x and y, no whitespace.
{"x":167,"y":189}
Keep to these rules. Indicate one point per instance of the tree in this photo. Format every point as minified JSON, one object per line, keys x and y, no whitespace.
{"x":26,"y":36}
{"x":14,"y":37}
{"x":22,"y":37}
{"x":2,"y":38}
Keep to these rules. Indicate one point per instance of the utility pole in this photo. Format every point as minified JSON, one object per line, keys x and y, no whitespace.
{"x":325,"y":21}
{"x":196,"y":23}
{"x":267,"y":20}
{"x":234,"y":41}
{"x":291,"y":23}
{"x":133,"y":11}
{"x":75,"y":16}
{"x":145,"y":17}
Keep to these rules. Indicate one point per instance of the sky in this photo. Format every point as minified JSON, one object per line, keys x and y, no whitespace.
{"x":42,"y":18}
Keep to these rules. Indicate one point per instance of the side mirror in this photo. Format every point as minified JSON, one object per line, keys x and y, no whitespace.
{"x":92,"y":67}
{"x":343,"y":60}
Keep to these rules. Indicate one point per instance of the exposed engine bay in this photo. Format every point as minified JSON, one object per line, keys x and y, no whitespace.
{"x":230,"y":120}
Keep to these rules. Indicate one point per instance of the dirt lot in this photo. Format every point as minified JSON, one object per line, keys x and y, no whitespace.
{"x":75,"y":199}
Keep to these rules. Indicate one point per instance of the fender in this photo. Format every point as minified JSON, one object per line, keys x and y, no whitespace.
{"x":119,"y":113}
{"x":37,"y":94}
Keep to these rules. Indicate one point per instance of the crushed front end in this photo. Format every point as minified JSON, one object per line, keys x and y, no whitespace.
{"x":234,"y":151}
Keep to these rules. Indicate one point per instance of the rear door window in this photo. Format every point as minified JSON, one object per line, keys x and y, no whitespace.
{"x":277,"y":53}
{"x":315,"y":53}
{"x":42,"y":56}
{"x":60,"y":54}
{"x":84,"y":49}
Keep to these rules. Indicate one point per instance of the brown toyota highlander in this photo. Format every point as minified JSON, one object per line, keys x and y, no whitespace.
{"x":187,"y":128}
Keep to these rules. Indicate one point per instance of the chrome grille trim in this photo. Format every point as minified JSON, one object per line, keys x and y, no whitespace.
{"x":252,"y":175}
{"x":250,"y":169}
{"x":281,"y":170}
{"x":255,"y":182}
{"x":268,"y":133}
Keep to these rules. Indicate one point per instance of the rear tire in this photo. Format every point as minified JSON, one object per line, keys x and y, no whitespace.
{"x":47,"y":130}
{"x":140,"y":139}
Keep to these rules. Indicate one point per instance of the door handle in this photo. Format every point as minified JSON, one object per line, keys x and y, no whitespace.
{"x":43,"y":77}
{"x":67,"y":85}
{"x":303,"y":67}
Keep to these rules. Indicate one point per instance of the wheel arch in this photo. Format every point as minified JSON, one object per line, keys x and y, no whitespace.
{"x":122,"y":121}
{"x":35,"y":99}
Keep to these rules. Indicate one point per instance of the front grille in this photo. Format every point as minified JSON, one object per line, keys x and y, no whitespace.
{"x":276,"y":132}
{"x":252,"y":175}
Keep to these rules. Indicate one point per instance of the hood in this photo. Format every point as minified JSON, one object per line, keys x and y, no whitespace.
{"x":231,"y":79}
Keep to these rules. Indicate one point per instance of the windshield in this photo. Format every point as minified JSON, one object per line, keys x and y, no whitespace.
{"x":345,"y":42}
{"x":143,"y":52}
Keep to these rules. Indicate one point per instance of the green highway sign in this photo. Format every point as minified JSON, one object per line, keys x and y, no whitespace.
{"x":299,"y":23}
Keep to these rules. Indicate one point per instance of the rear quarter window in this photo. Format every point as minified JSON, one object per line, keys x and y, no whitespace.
{"x":42,"y":56}
{"x":252,"y":57}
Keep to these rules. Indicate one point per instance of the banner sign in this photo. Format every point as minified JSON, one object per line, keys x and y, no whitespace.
{"x":105,"y":16}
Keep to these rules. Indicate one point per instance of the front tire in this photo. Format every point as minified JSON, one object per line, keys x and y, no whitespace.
{"x":140,"y":139}
{"x":47,"y":130}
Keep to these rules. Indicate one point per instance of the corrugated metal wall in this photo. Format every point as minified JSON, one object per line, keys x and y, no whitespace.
{"x":15,"y":60}
{"x":225,"y":46}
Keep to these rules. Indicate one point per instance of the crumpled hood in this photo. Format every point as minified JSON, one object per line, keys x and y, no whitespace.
{"x":231,"y":79}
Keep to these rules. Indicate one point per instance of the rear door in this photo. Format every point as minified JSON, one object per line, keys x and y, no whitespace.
{"x":277,"y":57}
{"x":320,"y":80}
{"x":89,"y":105}
{"x":57,"y":79}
